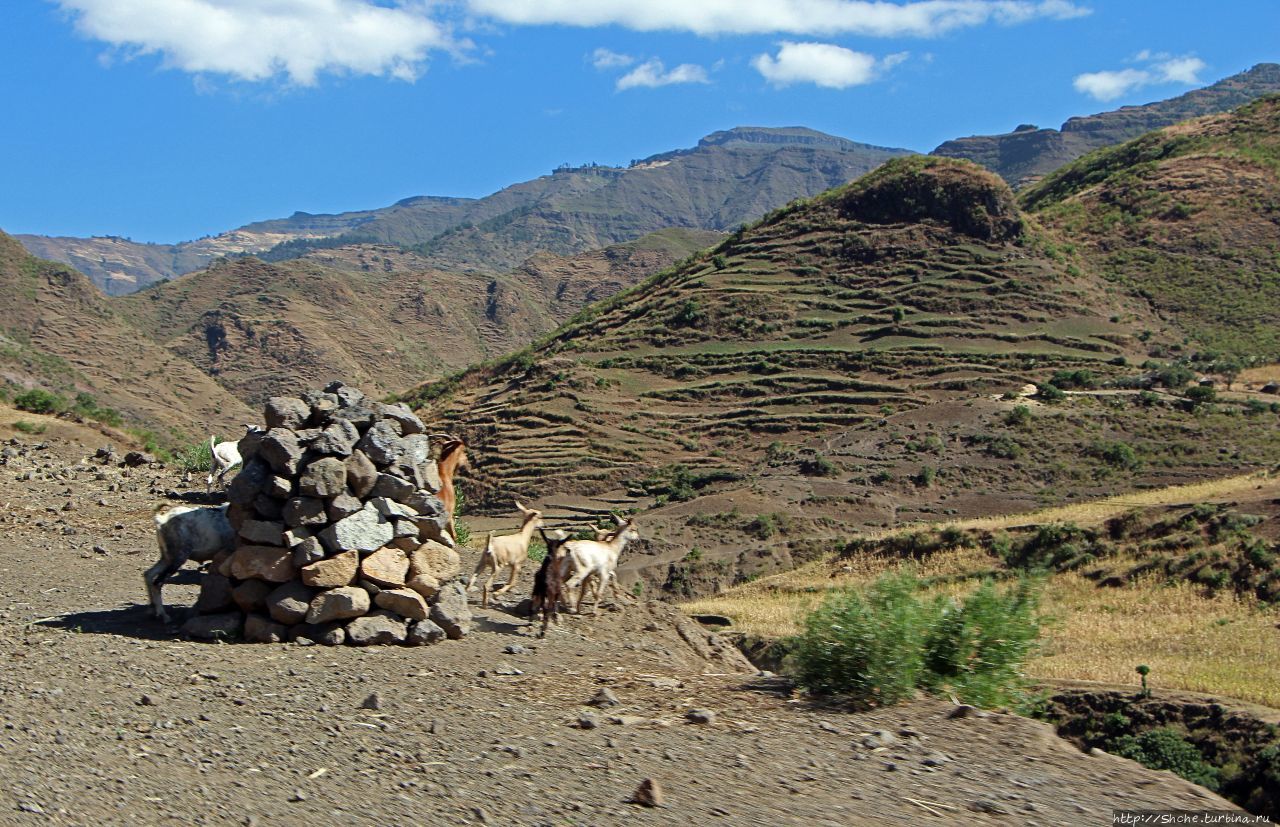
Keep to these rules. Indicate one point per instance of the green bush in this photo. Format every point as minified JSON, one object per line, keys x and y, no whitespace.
{"x":1116,"y":454}
{"x":1048,"y":392}
{"x":196,"y":458}
{"x":818,"y":466}
{"x":1201,"y":395}
{"x":975,"y":649}
{"x":1018,"y":417}
{"x":537,"y":549}
{"x":1071,"y":379}
{"x":875,"y":648}
{"x":866,"y":647}
{"x":1165,"y":749}
{"x":39,"y":401}
{"x":462,"y":532}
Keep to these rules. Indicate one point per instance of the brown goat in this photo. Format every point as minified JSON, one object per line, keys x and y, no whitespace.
{"x":453,"y":455}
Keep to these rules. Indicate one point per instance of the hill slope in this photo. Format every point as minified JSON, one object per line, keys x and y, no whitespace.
{"x":1022,"y":156}
{"x":375,"y":315}
{"x":58,"y":332}
{"x":846,"y":363}
{"x":1188,"y":217}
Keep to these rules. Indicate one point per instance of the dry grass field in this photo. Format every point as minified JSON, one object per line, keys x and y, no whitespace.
{"x":1220,"y":642}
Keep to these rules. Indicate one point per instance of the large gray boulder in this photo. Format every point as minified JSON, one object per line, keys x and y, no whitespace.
{"x":378,"y":627}
{"x":323,"y":477}
{"x":289,"y":603}
{"x":337,"y":440}
{"x":281,"y":451}
{"x":381,"y":443}
{"x":305,"y":511}
{"x":366,"y":530}
{"x":286,"y":412}
{"x":450,"y":611}
{"x":251,"y":480}
{"x":362,"y":474}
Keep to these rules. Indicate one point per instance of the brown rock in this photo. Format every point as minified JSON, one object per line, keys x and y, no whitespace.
{"x":289,"y":603}
{"x":404,"y":602}
{"x":259,"y":629}
{"x":362,"y":474}
{"x":338,"y":570}
{"x":251,"y":595}
{"x":386,"y":567}
{"x":424,"y":584}
{"x":215,"y":594}
{"x":648,"y":794}
{"x":337,"y":604}
{"x":263,"y":562}
{"x":436,"y":560}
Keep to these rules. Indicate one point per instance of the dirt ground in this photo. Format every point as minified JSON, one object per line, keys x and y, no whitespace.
{"x":109,"y":718}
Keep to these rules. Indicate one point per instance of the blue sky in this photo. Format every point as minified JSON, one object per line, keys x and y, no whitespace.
{"x":166,"y":120}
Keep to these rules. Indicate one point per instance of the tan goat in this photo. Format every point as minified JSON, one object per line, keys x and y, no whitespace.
{"x":510,"y":550}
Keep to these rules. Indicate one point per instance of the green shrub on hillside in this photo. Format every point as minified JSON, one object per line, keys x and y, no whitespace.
{"x":877,"y":647}
{"x":976,"y":648}
{"x":194,"y":458}
{"x":1165,"y":749}
{"x":864,"y":646}
{"x":1049,"y":392}
{"x":39,"y":401}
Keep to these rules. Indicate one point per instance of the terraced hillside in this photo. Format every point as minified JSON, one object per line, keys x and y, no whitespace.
{"x":858,"y":360}
{"x":1028,"y":153}
{"x":59,"y":333}
{"x":1189,"y":218}
{"x":375,"y":315}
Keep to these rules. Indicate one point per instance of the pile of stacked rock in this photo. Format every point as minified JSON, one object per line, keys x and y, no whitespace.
{"x":340,"y":535}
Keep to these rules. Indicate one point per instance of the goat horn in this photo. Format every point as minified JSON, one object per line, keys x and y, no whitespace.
{"x":617,"y":519}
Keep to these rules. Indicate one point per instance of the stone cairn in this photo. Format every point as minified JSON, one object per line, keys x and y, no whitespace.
{"x":340,"y":535}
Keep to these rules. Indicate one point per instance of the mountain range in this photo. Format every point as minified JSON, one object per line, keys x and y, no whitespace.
{"x":728,"y":178}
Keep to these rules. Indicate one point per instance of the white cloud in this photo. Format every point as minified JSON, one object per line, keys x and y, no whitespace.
{"x":877,"y":18}
{"x":823,"y":64}
{"x":652,"y":73}
{"x":606,"y":59}
{"x":1161,"y":68}
{"x":257,"y":41}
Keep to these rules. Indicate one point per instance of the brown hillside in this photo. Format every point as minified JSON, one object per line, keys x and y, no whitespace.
{"x":58,"y":332}
{"x":841,"y":365}
{"x":374,"y":314}
{"x":1187,"y":218}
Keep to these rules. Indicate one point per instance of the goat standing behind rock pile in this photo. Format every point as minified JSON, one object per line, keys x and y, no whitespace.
{"x":339,"y":534}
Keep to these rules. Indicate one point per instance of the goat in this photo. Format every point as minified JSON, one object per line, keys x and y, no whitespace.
{"x":186,"y":533}
{"x":598,"y":558}
{"x":510,"y":550}
{"x":223,"y":456}
{"x":548,"y":583}
{"x":453,"y":455}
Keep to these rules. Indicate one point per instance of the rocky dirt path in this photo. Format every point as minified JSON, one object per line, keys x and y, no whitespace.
{"x":105,"y":718}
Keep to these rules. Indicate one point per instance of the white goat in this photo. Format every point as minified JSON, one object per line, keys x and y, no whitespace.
{"x":223,"y":456}
{"x":186,"y":533}
{"x":598,"y":558}
{"x":510,"y":550}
